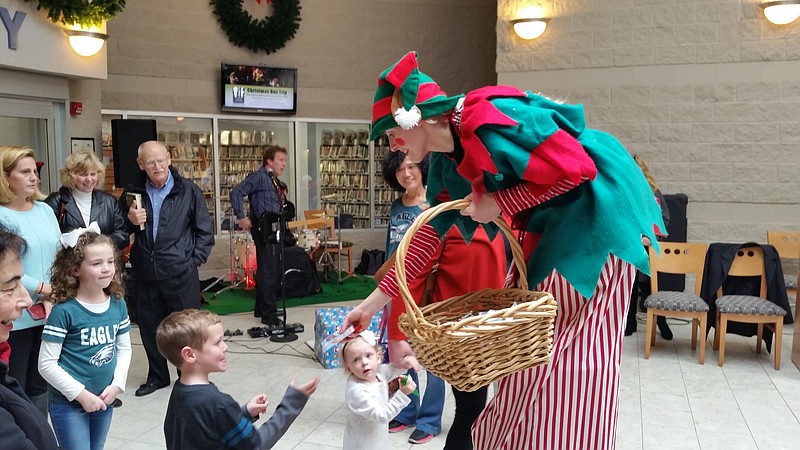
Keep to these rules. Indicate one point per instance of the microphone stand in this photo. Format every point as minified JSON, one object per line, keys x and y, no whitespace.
{"x":285,"y":335}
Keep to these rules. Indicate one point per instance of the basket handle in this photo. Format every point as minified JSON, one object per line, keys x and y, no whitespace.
{"x":414,"y":313}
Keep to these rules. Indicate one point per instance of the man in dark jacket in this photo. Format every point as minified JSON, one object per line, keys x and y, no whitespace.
{"x":173,"y":236}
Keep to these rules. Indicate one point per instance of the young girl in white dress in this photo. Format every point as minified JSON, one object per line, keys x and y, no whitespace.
{"x":370,"y":402}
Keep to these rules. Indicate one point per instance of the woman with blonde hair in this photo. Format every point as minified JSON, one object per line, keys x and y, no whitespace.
{"x":79,"y":202}
{"x":23,"y":214}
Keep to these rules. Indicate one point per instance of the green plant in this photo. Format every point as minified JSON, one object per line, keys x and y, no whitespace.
{"x":81,"y":12}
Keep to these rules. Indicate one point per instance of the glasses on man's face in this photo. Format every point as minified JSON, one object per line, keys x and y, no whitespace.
{"x":155,"y":162}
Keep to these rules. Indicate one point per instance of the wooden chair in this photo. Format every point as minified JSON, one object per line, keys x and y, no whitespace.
{"x":677,"y":258}
{"x":318,"y":214}
{"x":332,"y":243}
{"x":787,"y":243}
{"x":748,"y":262}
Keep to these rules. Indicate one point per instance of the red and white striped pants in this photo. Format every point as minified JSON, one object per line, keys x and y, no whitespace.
{"x":573,"y":402}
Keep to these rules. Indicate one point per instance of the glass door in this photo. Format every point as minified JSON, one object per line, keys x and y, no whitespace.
{"x":33,"y":124}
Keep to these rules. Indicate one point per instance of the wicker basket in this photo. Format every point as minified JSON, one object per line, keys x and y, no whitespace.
{"x":507,"y":330}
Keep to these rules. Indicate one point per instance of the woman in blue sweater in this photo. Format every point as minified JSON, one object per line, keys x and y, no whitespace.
{"x":23,"y":214}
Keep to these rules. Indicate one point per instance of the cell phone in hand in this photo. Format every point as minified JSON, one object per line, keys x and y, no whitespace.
{"x":37,"y":311}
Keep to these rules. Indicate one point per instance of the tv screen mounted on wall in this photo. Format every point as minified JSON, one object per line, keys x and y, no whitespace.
{"x":259,"y":89}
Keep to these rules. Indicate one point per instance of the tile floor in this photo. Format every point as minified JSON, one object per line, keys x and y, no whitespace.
{"x":668,"y":401}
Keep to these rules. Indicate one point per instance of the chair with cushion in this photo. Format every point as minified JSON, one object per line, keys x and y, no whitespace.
{"x":677,"y":258}
{"x":787,"y":243}
{"x":748,"y":262}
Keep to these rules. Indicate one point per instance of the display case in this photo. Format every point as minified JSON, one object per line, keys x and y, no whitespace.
{"x":344,"y":173}
{"x":107,"y":155}
{"x":339,"y":172}
{"x":241,"y":151}
{"x":330,"y":165}
{"x":382,"y":194}
{"x":190,"y":146}
{"x":191,"y":154}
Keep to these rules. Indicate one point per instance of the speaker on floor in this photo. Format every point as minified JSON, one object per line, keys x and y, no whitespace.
{"x":126,"y":137}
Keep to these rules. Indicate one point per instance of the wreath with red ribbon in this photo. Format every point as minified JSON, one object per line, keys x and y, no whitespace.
{"x":268,"y":34}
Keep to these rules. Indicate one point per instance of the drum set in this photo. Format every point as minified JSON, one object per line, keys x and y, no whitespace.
{"x":319,"y":242}
{"x":243,"y":263}
{"x":315,"y":241}
{"x":308,"y":239}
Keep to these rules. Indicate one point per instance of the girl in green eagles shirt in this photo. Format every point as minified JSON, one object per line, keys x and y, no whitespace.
{"x":86,"y":346}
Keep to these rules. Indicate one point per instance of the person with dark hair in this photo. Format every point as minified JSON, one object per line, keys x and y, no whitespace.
{"x":79,"y":202}
{"x":461,"y":269}
{"x":267,"y":195}
{"x":22,"y":213}
{"x":409,"y":178}
{"x":22,"y":425}
{"x":174,"y":235}
{"x":582,"y":208}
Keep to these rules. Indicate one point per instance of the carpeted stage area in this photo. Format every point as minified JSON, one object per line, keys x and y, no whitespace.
{"x":239,"y":300}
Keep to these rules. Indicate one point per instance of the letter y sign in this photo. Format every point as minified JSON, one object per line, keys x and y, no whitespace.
{"x":12,"y":26}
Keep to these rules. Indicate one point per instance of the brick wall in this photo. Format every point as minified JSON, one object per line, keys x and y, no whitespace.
{"x":166,"y":55}
{"x":708,"y":92}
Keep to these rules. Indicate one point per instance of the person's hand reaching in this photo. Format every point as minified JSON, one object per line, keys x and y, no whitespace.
{"x":308,"y":388}
{"x":358,"y":318}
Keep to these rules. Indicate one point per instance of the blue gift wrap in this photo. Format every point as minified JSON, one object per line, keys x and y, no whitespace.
{"x":328,"y":321}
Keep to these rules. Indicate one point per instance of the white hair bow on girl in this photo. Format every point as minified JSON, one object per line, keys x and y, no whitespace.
{"x":369,"y":337}
{"x":68,"y":240}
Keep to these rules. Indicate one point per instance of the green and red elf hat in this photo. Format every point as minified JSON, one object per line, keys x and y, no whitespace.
{"x":405,"y":96}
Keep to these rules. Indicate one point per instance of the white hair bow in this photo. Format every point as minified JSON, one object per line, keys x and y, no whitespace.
{"x":369,"y":337}
{"x":71,"y":238}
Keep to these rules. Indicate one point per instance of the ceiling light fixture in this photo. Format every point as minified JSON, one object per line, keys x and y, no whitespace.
{"x":781,"y":12}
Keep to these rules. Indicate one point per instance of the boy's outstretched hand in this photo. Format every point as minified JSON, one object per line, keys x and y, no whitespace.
{"x":258,"y":405}
{"x":308,"y":388}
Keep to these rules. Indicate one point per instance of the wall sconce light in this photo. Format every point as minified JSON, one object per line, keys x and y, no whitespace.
{"x":85,"y":41}
{"x":781,"y":12}
{"x":530,"y":28}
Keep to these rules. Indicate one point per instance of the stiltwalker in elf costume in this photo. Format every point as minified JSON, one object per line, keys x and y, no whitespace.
{"x":583,"y":207}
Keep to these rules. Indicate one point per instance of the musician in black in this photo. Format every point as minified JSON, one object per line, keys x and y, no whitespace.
{"x":267,"y":196}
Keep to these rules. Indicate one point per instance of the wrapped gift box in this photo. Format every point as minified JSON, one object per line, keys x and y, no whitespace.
{"x":326,"y":322}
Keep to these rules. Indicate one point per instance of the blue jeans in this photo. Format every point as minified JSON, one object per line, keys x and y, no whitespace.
{"x":78,"y":430}
{"x":428,"y":416}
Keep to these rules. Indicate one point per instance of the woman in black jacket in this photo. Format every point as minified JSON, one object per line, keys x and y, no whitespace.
{"x":79,"y":203}
{"x":22,"y":425}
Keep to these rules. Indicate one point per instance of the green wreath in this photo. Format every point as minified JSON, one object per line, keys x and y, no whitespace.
{"x":268,"y":34}
{"x":81,"y":12}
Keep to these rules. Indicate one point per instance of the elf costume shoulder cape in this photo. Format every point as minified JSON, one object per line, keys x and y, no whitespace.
{"x":512,"y":137}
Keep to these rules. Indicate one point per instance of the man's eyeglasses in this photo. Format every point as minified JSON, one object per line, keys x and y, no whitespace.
{"x":153,"y":163}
